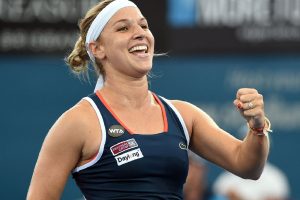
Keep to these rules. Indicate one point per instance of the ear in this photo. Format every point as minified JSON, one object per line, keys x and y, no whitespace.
{"x":97,"y":49}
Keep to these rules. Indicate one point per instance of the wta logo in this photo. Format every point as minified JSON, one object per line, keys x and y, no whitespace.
{"x":116,"y":131}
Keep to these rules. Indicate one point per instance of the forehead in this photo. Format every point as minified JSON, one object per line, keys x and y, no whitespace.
{"x":127,"y":13}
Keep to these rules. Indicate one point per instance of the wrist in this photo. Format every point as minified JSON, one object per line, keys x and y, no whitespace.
{"x":265,"y":129}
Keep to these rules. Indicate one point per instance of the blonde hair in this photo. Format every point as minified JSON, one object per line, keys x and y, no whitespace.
{"x":78,"y":59}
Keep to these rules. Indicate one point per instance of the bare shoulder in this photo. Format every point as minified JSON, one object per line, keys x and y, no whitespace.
{"x":192,"y":114}
{"x":76,"y":118}
{"x":73,"y":125}
{"x":61,"y":151}
{"x":187,"y":109}
{"x":183,"y":105}
{"x":80,"y":114}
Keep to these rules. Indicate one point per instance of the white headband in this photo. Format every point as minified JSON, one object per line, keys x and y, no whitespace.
{"x":101,"y":20}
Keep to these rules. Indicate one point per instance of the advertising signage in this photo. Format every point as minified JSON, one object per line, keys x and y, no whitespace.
{"x":51,"y":26}
{"x":250,"y":25}
{"x":40,"y":26}
{"x":180,"y":26}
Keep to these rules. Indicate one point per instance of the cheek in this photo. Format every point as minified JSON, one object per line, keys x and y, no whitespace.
{"x":150,"y":35}
{"x":116,"y":46}
{"x":151,"y":39}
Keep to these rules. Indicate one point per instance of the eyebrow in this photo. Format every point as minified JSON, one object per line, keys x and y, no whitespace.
{"x":127,"y":20}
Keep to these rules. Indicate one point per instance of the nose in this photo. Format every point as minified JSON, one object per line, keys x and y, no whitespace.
{"x":139,"y":33}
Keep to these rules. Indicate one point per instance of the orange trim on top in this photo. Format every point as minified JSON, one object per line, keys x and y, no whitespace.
{"x":112,"y":112}
{"x":165,"y":119}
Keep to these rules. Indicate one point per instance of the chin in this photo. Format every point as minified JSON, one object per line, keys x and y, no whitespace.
{"x":144,"y":70}
{"x":147,"y":66}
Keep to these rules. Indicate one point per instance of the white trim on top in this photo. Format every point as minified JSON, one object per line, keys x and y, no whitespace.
{"x":186,"y":133}
{"x":103,"y":138}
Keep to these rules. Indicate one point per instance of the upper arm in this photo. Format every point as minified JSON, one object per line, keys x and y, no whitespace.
{"x":207,"y":139}
{"x":59,"y":154}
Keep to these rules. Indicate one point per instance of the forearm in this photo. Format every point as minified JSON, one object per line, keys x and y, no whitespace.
{"x":254,"y":150}
{"x":253,"y":153}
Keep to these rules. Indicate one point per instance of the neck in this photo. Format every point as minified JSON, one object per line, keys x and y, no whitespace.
{"x":130,"y":93}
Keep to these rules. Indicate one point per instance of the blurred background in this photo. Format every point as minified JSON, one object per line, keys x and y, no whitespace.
{"x":214,"y":47}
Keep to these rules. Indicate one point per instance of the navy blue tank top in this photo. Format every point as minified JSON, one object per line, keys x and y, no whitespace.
{"x":136,"y":166}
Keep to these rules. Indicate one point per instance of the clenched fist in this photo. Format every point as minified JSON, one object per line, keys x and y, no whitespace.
{"x":251,"y":106}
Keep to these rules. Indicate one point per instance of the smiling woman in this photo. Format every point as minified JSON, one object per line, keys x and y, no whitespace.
{"x":124,"y":141}
{"x":110,"y":31}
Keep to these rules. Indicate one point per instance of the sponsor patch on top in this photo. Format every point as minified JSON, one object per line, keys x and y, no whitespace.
{"x":129,"y":156}
{"x":123,"y":146}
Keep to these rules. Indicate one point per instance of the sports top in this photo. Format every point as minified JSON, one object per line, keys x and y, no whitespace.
{"x":132,"y":165}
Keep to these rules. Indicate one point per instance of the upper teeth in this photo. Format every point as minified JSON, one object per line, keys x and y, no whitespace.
{"x":138,"y":48}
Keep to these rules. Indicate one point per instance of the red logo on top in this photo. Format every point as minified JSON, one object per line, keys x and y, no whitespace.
{"x":123,"y":146}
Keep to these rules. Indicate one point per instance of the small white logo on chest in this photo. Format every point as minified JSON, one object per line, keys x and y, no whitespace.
{"x":182,"y":146}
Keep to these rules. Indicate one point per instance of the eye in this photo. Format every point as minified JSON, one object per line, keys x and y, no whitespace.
{"x":145,"y":26}
{"x":122,"y":29}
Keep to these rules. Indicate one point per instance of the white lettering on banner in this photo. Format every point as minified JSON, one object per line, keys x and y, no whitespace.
{"x":49,"y":11}
{"x":129,"y":156}
{"x":234,"y":13}
{"x":36,"y":40}
{"x":277,"y":80}
{"x":287,"y":11}
{"x":273,"y":33}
